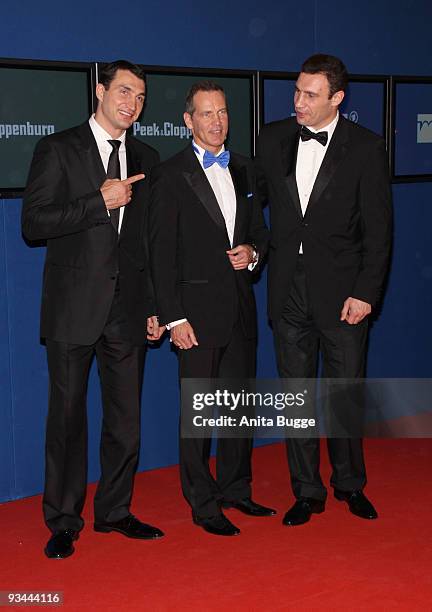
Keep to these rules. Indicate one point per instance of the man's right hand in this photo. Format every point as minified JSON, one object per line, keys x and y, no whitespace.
{"x":183,"y":336}
{"x":118,"y":193}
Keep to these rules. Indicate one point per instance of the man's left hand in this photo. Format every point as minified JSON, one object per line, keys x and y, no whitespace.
{"x":241,"y":256}
{"x":154,"y":330}
{"x":354,"y":311}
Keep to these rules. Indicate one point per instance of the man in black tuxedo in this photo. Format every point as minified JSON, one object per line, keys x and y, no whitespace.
{"x":326,"y":180}
{"x":206,"y":229}
{"x":97,"y":299}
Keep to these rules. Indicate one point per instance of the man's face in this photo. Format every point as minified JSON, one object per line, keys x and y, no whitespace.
{"x":312,"y":104}
{"x":121,"y":104}
{"x":209,"y":121}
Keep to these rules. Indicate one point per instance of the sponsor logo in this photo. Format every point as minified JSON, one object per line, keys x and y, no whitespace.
{"x":167,"y":129}
{"x":9,"y":130}
{"x":424,"y":128}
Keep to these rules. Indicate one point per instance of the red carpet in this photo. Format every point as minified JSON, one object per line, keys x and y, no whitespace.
{"x":335,"y":562}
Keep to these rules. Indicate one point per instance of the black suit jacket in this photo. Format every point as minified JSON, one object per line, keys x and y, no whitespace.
{"x":192,"y":274}
{"x":346,"y":230}
{"x":64,"y":206}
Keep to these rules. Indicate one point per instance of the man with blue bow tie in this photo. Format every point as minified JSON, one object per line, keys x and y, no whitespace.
{"x":207,"y":234}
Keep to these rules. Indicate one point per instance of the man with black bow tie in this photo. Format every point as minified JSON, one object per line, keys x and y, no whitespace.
{"x":97,"y":299}
{"x":206,"y":230}
{"x":327,"y":184}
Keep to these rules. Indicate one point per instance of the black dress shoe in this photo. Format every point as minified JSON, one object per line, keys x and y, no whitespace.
{"x":302,"y":510}
{"x":358,"y":503}
{"x":60,"y":546}
{"x":217,"y":525}
{"x":131,"y":527}
{"x":247,"y":506}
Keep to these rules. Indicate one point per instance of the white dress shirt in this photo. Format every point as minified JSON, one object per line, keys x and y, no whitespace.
{"x":223,"y":187}
{"x":310,"y":156}
{"x":102,"y":137}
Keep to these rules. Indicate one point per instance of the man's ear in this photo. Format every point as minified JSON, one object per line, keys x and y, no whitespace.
{"x":100,"y":90}
{"x":337,"y":98}
{"x":188,"y":120}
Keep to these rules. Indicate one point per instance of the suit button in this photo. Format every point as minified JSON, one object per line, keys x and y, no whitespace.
{"x":304,"y":224}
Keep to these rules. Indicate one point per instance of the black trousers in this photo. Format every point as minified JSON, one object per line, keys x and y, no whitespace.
{"x":233,"y":457}
{"x":298,"y":340}
{"x":120,"y":366}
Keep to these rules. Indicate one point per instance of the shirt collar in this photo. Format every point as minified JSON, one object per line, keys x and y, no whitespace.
{"x":199,"y":151}
{"x":101,"y":135}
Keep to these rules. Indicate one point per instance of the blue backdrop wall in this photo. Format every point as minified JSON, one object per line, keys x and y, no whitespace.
{"x":387,"y":37}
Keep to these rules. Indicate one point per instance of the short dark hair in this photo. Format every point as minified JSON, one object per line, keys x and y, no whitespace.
{"x":200,"y":86}
{"x":108,"y":71}
{"x":331,"y":67}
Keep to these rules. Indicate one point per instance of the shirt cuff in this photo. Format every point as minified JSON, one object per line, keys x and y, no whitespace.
{"x":255,"y":261}
{"x":174,"y":323}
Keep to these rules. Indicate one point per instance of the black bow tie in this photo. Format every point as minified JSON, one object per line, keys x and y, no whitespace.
{"x":306,"y":134}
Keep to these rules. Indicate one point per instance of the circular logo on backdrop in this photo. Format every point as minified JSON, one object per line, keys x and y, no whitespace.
{"x":353,"y":116}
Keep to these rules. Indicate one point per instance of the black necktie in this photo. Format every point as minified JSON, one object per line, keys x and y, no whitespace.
{"x":113,"y":172}
{"x":306,"y":134}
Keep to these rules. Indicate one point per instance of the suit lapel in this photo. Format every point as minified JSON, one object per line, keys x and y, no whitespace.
{"x":133,"y":165}
{"x":289,"y":149}
{"x":91,"y":159}
{"x":240,"y":181}
{"x":197,"y":180}
{"x":132,"y":169}
{"x":336,"y":152}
